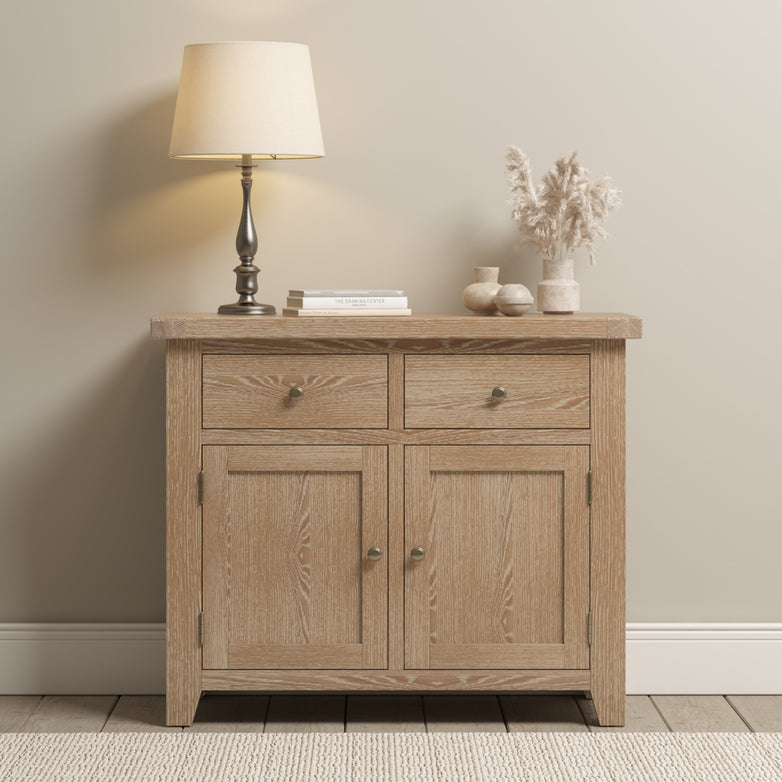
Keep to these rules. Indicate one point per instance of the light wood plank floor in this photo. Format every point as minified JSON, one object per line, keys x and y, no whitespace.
{"x":389,"y":713}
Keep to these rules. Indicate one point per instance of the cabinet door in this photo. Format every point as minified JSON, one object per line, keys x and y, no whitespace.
{"x":504,"y":578}
{"x":287,"y":582}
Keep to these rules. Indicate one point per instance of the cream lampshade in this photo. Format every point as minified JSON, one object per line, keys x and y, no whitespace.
{"x":246,"y":100}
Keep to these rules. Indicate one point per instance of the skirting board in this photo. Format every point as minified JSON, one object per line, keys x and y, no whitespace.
{"x":129,"y":659}
{"x":82,"y":659}
{"x":704,"y":659}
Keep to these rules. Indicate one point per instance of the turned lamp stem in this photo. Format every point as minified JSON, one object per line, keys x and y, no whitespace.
{"x":246,"y":247}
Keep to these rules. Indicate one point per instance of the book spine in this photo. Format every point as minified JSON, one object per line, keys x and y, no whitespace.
{"x":336,"y":302}
{"x":342,"y":292}
{"x":342,"y":312}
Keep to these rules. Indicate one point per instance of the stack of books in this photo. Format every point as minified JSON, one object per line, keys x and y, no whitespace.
{"x":312,"y":303}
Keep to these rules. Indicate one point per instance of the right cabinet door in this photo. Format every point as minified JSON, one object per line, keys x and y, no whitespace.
{"x":497,"y":557}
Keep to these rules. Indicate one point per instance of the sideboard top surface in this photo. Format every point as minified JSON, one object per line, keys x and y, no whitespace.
{"x":585,"y":325}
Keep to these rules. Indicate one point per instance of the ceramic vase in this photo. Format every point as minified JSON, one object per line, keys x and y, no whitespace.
{"x":479,"y":296}
{"x":558,"y":292}
{"x":513,"y":299}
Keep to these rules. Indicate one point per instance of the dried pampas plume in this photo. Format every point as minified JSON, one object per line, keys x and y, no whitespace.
{"x":567,"y":210}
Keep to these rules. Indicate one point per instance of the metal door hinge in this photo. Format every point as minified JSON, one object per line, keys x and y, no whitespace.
{"x":201,"y":629}
{"x":589,"y":487}
{"x":589,"y":629}
{"x":201,"y":487}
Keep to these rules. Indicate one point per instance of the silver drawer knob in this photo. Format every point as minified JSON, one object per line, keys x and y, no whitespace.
{"x":296,"y":393}
{"x":374,"y":554}
{"x":498,"y":392}
{"x":417,"y":554}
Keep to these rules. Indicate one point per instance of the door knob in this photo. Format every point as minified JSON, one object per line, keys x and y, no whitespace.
{"x":374,"y":554}
{"x":498,"y":393}
{"x":296,"y":393}
{"x":417,"y":554}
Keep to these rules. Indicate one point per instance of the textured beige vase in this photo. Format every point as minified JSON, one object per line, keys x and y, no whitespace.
{"x":513,"y":299}
{"x":479,"y":296}
{"x":558,"y":292}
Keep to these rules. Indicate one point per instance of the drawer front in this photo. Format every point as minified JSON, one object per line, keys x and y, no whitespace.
{"x":253,"y":392}
{"x":455,"y":392}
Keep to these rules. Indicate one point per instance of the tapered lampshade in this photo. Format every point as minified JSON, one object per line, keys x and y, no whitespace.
{"x":240,"y":98}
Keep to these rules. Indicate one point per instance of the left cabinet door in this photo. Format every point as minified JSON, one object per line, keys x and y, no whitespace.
{"x":287,"y":582}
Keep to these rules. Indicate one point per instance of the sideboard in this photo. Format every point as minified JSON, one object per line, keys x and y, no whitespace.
{"x":425,"y":503}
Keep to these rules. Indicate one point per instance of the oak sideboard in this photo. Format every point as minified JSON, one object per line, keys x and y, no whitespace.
{"x":432,"y":503}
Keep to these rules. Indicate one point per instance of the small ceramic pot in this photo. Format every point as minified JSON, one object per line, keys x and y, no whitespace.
{"x":479,"y":296}
{"x":513,"y":299}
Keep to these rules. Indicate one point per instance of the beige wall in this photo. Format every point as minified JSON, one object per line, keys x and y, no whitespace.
{"x":678,"y":101}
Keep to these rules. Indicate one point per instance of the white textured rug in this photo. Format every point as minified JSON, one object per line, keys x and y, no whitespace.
{"x":363,"y":757}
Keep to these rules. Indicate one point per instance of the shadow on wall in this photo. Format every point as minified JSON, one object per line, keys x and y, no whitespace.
{"x":149,"y":208}
{"x":86,"y":503}
{"x":470,"y":245}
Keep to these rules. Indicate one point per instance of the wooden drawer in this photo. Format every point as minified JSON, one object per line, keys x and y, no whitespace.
{"x":252,"y":392}
{"x":455,"y":392}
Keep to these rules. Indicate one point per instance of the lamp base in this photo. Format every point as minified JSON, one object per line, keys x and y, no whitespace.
{"x":251,"y":308}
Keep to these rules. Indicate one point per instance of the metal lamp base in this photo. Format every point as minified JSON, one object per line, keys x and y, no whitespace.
{"x":251,"y":308}
{"x":246,"y":245}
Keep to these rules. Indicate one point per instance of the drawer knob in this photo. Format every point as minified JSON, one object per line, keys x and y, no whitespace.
{"x":498,"y":392}
{"x":417,"y":554}
{"x":296,"y":393}
{"x":374,"y":554}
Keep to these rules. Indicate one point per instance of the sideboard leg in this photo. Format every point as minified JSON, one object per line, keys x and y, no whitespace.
{"x":607,"y":593}
{"x":609,"y":703}
{"x":183,"y":531}
{"x":181,"y":706}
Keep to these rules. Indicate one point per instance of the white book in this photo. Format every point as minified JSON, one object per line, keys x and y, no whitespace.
{"x":296,"y":312}
{"x":342,"y":292}
{"x":338,"y":302}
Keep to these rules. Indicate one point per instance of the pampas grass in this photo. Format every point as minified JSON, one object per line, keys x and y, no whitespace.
{"x":566,"y":211}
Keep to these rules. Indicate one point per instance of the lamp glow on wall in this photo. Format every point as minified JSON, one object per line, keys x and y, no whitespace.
{"x":246,"y":101}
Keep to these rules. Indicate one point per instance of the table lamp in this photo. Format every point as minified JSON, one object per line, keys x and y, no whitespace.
{"x":246,"y":101}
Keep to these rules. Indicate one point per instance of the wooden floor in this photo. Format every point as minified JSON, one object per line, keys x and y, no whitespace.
{"x":390,"y":713}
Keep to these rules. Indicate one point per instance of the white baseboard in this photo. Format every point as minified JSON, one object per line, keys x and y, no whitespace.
{"x":704,"y":659}
{"x":129,"y":659}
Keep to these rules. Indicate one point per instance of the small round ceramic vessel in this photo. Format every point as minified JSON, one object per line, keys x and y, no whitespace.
{"x":513,"y":299}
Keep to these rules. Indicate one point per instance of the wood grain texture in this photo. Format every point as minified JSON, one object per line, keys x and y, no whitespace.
{"x":183,"y":531}
{"x":394,"y":681}
{"x":70,"y":714}
{"x":251,"y":392}
{"x":533,"y":326}
{"x":699,"y":713}
{"x":392,"y":346}
{"x":286,"y":580}
{"x":296,"y":471}
{"x":374,"y":574}
{"x":608,"y":531}
{"x":504,"y":522}
{"x":396,"y":557}
{"x":763,"y":713}
{"x":385,"y":714}
{"x":306,"y":714}
{"x":15,"y":709}
{"x":419,"y":577}
{"x":139,"y":714}
{"x":542,"y":714}
{"x":396,"y":391}
{"x":497,"y":459}
{"x":401,"y":437}
{"x":641,"y":716}
{"x":443,"y":392}
{"x":463,"y":714}
{"x":226,"y":713}
{"x":291,"y":458}
{"x":575,"y":558}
